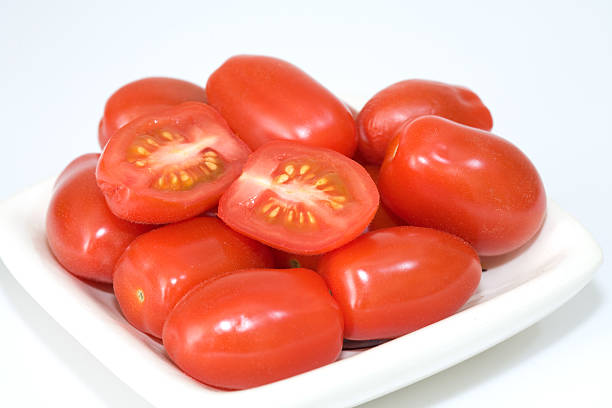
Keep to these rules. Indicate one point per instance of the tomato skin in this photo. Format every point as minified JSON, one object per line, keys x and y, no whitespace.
{"x":407,"y":100}
{"x":253,"y":327}
{"x":396,"y":280}
{"x":83,"y":234}
{"x":243,"y":206}
{"x":463,"y":180}
{"x":166,"y":263}
{"x":285,"y":260}
{"x":143,"y":97}
{"x":265,"y":99}
{"x":129,"y":190}
{"x":384,"y":217}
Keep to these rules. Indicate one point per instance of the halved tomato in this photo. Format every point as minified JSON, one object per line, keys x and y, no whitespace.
{"x":300,"y":199}
{"x":171,"y":165}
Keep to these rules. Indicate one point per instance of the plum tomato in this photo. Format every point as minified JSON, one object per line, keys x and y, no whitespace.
{"x":253,"y":327}
{"x":83,"y":234}
{"x":159,"y":267}
{"x":143,"y":97}
{"x":407,"y":100}
{"x":384,"y":217}
{"x":170,"y":165}
{"x":265,"y":99}
{"x":463,"y":180}
{"x":300,"y":199}
{"x":396,"y":280}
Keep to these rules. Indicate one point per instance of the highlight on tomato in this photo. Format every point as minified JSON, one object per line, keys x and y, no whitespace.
{"x":265,"y":99}
{"x":393,"y":281}
{"x":170,"y":165}
{"x":160,"y":266}
{"x":463,"y":180}
{"x":407,"y":100}
{"x":253,"y":327}
{"x":300,"y":199}
{"x":143,"y":97}
{"x":83,"y":234}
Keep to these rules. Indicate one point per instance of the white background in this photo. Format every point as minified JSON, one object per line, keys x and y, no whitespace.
{"x":543,"y":69}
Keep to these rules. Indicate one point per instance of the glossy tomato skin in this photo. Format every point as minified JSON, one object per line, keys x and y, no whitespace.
{"x":300,"y":199}
{"x":253,"y":327}
{"x":83,"y":234}
{"x":143,"y":97}
{"x":407,"y":100}
{"x":159,"y":267}
{"x":384,"y":217}
{"x":143,"y":159}
{"x":465,"y":181}
{"x":396,"y":280}
{"x":266,"y":99}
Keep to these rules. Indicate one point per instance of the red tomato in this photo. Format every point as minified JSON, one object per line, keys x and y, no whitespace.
{"x":83,"y":234}
{"x":384,"y":218}
{"x":407,"y":100}
{"x":143,"y":97}
{"x":285,"y":260}
{"x":265,"y":99}
{"x":300,"y":199}
{"x":171,"y":165}
{"x":396,"y":280}
{"x":159,"y":267}
{"x":253,"y":327}
{"x":463,"y":180}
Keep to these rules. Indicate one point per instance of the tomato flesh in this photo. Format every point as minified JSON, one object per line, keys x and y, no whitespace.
{"x":83,"y":234}
{"x":300,"y":199}
{"x":253,"y":327}
{"x":143,"y":97}
{"x":396,"y":280}
{"x":171,"y":165}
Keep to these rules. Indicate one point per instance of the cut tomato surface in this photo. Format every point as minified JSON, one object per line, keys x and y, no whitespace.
{"x":300,"y":199}
{"x":171,"y":165}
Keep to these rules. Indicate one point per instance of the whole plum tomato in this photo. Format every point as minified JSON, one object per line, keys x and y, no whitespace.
{"x":159,"y":267}
{"x":143,"y":97}
{"x":384,"y":218}
{"x":469,"y":182}
{"x":170,"y":165}
{"x":265,"y":99}
{"x":253,"y":327}
{"x":407,"y":100}
{"x":396,"y":280}
{"x":83,"y":234}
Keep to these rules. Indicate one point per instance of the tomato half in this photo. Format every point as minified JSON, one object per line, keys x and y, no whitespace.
{"x":300,"y":199}
{"x":159,"y":267}
{"x":407,"y":100}
{"x":253,"y":327}
{"x":83,"y":234}
{"x":171,"y":165}
{"x":143,"y":97}
{"x":396,"y":280}
{"x":463,"y":180}
{"x":266,"y":99}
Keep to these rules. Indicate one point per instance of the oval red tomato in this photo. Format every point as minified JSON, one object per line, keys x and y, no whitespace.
{"x":393,"y":281}
{"x":300,"y":199}
{"x":83,"y":234}
{"x":265,"y":99}
{"x":384,"y":217}
{"x":254,"y":327}
{"x":407,"y":100}
{"x":159,"y":267}
{"x":463,"y":180}
{"x":171,"y":165}
{"x":143,"y":97}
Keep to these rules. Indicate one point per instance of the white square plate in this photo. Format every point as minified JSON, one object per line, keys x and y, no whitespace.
{"x":512,"y":295}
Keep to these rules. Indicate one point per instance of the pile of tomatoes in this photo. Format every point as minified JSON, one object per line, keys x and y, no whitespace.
{"x":241,"y":223}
